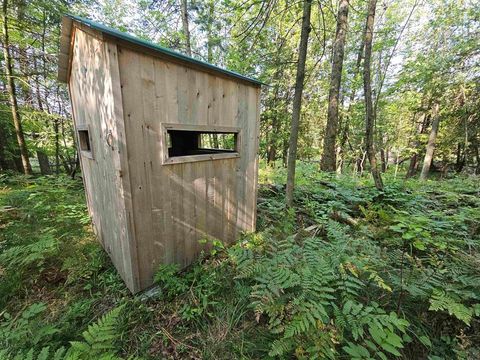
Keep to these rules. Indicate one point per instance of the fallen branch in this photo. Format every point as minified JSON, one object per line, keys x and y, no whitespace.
{"x":343,"y":218}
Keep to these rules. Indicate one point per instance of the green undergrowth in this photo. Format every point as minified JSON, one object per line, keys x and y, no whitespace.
{"x":349,"y":273}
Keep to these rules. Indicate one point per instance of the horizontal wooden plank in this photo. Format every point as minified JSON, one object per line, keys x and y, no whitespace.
{"x":203,"y":157}
{"x":142,"y":49}
{"x":203,"y":128}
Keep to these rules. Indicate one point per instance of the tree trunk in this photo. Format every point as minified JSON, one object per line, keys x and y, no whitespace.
{"x":76,"y":167}
{"x":329,"y":152}
{"x":4,"y":165}
{"x":57,"y":146}
{"x":367,"y":86}
{"x":44,"y":163}
{"x":271,"y":154}
{"x":460,"y":162}
{"x":383,"y":159}
{"x":186,"y":30}
{"x":297,"y":100}
{"x":477,"y":154}
{"x":413,"y":166}
{"x":37,"y":83}
{"x":427,"y":161}
{"x":27,"y":168}
{"x":209,"y":32}
{"x":351,"y":98}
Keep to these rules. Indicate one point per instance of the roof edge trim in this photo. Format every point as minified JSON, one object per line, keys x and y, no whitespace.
{"x":66,"y":33}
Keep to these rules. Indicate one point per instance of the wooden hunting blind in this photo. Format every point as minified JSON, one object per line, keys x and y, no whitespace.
{"x":168,"y":147}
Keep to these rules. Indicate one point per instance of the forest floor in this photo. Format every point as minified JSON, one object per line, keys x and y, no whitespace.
{"x":351,"y":273}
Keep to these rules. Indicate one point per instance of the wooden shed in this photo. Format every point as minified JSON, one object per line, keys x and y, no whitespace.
{"x":168,"y":147}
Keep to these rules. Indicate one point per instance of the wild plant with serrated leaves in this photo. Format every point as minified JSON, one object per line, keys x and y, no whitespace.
{"x":314,"y":292}
{"x":98,"y":340}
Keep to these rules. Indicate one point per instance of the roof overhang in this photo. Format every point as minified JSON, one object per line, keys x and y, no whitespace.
{"x":66,"y":44}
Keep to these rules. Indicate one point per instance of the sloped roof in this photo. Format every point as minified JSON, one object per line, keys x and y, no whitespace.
{"x":65,"y":40}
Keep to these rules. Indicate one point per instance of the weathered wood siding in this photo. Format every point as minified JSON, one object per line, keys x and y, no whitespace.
{"x":96,"y":102}
{"x":176,"y":205}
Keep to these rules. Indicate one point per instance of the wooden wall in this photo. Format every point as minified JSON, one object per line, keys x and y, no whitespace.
{"x":96,"y":103}
{"x":145,"y":212}
{"x":175,"y":205}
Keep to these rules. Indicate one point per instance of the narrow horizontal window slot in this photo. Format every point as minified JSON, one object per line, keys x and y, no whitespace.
{"x":190,"y":142}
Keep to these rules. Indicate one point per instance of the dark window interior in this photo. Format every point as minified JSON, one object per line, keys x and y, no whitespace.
{"x":84,"y":140}
{"x":186,"y":142}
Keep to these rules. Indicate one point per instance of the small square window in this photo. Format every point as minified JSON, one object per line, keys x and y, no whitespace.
{"x":84,"y":142}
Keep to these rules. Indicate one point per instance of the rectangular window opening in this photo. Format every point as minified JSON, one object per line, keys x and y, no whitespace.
{"x":187,"y":142}
{"x":190,"y":143}
{"x":84,"y":142}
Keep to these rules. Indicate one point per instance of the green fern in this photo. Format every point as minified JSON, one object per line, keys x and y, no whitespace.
{"x":98,"y":343}
{"x":311,"y":289}
{"x":99,"y":338}
{"x":441,"y":301}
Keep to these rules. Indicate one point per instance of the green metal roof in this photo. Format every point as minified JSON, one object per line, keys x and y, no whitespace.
{"x":160,"y":49}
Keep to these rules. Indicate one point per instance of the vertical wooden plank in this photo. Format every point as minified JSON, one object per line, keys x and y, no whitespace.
{"x":244,"y":158}
{"x":177,"y":231}
{"x":171,"y":86}
{"x":121,"y":164}
{"x":199,"y":188}
{"x":182,"y":95}
{"x":250,"y":178}
{"x":160,"y":188}
{"x":133,"y":80}
{"x":188,"y":213}
{"x":147,"y":100}
{"x":202,"y":98}
{"x":257,"y":137}
{"x":209,"y":199}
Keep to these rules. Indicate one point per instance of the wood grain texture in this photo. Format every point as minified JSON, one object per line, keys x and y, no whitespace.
{"x":146,"y":211}
{"x":94,"y":90}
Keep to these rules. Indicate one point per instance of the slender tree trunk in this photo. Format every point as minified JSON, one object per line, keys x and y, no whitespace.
{"x":44,"y":163}
{"x":37,"y":83}
{"x":3,"y":157}
{"x":367,"y":86}
{"x":351,"y":98}
{"x":271,"y":154}
{"x":397,"y":162}
{"x":427,"y":161}
{"x":329,"y":152}
{"x":27,"y":168}
{"x":297,"y":100}
{"x":413,"y":166}
{"x":57,"y":146}
{"x":285,"y":153}
{"x":215,"y":141}
{"x":186,"y":30}
{"x":477,"y":154}
{"x":76,"y":167}
{"x":383,"y":159}
{"x":209,"y":32}
{"x":460,"y":158}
